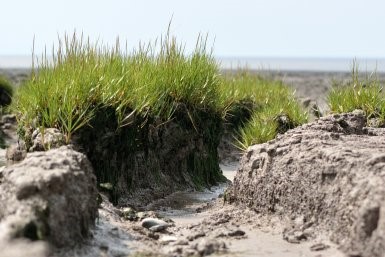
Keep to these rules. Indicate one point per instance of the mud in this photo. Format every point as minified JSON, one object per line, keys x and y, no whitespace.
{"x":323,"y":176}
{"x":200,"y":224}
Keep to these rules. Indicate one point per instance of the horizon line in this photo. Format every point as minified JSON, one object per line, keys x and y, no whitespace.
{"x":246,"y":57}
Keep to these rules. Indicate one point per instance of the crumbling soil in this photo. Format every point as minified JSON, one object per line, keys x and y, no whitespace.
{"x":50,"y":196}
{"x":323,"y":176}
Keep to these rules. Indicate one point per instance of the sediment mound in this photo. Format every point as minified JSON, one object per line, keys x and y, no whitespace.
{"x":329,"y":174}
{"x":49,"y":196}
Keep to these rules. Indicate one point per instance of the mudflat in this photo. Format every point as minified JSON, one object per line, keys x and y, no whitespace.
{"x":203,"y":223}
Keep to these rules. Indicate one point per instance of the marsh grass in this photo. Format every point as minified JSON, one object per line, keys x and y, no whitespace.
{"x":85,"y":77}
{"x":153,"y":80}
{"x":361,"y":92}
{"x":267,"y":100}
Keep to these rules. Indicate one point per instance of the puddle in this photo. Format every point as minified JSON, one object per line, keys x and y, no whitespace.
{"x":181,"y":206}
{"x":229,"y":170}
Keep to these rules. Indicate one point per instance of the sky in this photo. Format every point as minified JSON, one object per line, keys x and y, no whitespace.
{"x":242,"y":28}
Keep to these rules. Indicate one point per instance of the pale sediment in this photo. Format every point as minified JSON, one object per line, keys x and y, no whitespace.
{"x":327,"y":175}
{"x":49,"y":196}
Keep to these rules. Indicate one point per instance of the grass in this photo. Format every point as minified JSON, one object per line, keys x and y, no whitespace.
{"x":359,"y":93}
{"x":272,"y":107}
{"x":85,"y":77}
{"x":152,"y":80}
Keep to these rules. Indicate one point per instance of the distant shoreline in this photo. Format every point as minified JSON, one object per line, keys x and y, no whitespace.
{"x":333,"y":65}
{"x":24,"y":70}
{"x":304,"y":64}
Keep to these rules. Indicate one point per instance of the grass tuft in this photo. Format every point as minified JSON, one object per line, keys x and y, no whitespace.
{"x":153,"y":80}
{"x":271,"y":104}
{"x":85,"y":77}
{"x":358,"y":93}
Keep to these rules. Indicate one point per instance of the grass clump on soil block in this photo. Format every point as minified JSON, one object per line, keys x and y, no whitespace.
{"x":359,"y":93}
{"x":130,"y":112}
{"x":84,"y":78}
{"x":151,"y":116}
{"x":268,"y":107}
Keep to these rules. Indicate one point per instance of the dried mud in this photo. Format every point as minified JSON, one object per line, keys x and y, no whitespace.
{"x":328,"y":175}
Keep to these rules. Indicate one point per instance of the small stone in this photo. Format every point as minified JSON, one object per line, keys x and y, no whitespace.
{"x":237,"y":232}
{"x":151,"y":222}
{"x":299,"y":235}
{"x":309,"y":232}
{"x":292,"y":239}
{"x":319,"y":247}
{"x":128,"y":213}
{"x":141,"y":215}
{"x":45,"y":139}
{"x":358,"y":112}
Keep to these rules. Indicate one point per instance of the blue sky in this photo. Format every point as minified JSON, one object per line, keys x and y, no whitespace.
{"x":259,"y":28}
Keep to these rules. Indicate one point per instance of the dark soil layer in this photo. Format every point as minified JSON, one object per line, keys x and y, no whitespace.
{"x":329,"y":175}
{"x":150,"y":157}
